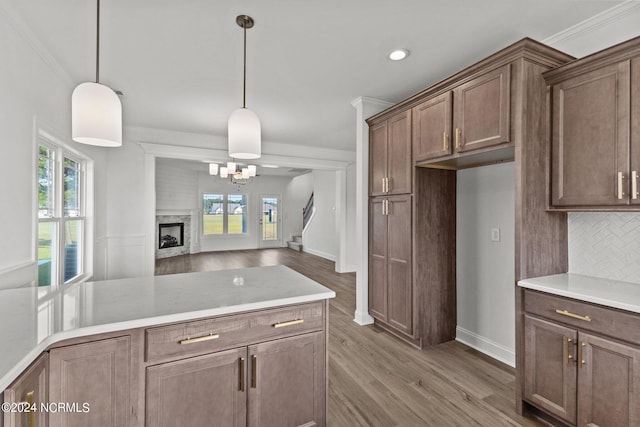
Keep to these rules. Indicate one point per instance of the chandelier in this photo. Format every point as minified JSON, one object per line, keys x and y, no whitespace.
{"x":233,"y":173}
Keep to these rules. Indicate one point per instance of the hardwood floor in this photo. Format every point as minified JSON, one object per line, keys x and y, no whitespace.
{"x":374,"y":378}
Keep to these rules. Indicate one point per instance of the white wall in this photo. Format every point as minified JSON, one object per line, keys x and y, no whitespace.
{"x":36,"y":93}
{"x":297,"y":194}
{"x":320,"y":236}
{"x":176,"y":186}
{"x":268,"y":185}
{"x":484,"y":268}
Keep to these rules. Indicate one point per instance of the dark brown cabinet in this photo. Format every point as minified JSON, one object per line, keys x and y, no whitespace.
{"x":481,"y":115}
{"x":30,"y":389}
{"x":390,"y":261}
{"x":96,"y":374}
{"x":432,"y":128}
{"x":390,"y":156}
{"x":576,"y":375}
{"x":595,"y":130}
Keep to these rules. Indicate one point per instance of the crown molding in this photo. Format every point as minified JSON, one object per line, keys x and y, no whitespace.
{"x":589,"y":25}
{"x":14,"y":20}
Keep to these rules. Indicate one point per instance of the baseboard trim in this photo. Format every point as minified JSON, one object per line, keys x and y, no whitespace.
{"x":486,"y":346}
{"x":319,"y":253}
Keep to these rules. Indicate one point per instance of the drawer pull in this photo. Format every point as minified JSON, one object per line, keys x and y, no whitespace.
{"x":289,"y":323}
{"x":575,"y":316}
{"x":199,"y":339}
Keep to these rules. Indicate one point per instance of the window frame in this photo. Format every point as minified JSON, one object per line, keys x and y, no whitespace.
{"x":225,"y":214}
{"x":58,"y":219}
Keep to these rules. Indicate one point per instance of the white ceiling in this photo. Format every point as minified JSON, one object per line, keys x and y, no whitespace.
{"x":179,"y":62}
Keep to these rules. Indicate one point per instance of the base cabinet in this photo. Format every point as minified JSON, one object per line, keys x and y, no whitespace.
{"x":95,"y":377}
{"x":579,"y":377}
{"x":30,"y":388}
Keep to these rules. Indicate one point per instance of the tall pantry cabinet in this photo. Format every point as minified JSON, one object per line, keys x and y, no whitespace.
{"x":490,"y":112}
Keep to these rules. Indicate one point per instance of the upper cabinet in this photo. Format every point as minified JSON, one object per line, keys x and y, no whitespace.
{"x":481,"y":110}
{"x":390,"y":156}
{"x":595,"y":158}
{"x":474,"y":115}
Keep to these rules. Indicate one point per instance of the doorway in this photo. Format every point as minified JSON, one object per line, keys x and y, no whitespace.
{"x":270,"y":224}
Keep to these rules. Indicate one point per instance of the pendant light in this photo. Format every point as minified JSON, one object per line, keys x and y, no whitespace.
{"x":96,"y":111}
{"x":244,"y":124}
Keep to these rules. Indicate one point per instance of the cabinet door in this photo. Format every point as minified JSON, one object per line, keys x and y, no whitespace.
{"x":635,"y":132}
{"x":590,"y":138}
{"x":377,"y":158}
{"x":608,"y":383}
{"x":96,"y":373}
{"x":399,"y":161}
{"x":31,"y":388}
{"x":378,"y":259}
{"x":482,"y":111}
{"x":198,"y":391}
{"x":550,"y":368}
{"x":288,"y":384}
{"x":432,"y":128}
{"x":399,"y":283}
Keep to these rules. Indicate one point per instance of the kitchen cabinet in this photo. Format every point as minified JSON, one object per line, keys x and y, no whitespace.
{"x":482,"y":110}
{"x":28,"y":389}
{"x":595,"y":130}
{"x":197,"y":390}
{"x":96,"y":373}
{"x":390,"y":156}
{"x":432,"y":128}
{"x":390,"y":262}
{"x":574,"y":370}
{"x":474,"y":115}
{"x":275,"y":375}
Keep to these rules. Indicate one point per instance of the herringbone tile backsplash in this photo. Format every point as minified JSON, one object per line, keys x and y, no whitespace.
{"x":605,"y":244}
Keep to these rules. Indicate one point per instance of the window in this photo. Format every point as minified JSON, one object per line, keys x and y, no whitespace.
{"x":61,"y":215}
{"x":224,"y":214}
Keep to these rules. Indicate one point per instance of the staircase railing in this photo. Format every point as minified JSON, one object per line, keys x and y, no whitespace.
{"x":307,"y":212}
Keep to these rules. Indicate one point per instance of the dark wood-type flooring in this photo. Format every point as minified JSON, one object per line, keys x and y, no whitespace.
{"x":374,"y":378}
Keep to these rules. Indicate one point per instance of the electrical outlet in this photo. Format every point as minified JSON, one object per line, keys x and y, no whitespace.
{"x":495,"y":234}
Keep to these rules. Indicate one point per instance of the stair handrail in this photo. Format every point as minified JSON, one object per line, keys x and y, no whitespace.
{"x":307,"y":212}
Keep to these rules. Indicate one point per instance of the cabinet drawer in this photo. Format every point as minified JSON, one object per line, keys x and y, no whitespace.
{"x":219,"y":333}
{"x":603,"y":320}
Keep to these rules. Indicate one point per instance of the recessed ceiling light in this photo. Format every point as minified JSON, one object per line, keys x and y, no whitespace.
{"x":270,"y":166}
{"x":398,"y":54}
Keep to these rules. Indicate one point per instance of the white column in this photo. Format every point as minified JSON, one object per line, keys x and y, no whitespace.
{"x":341,"y":221}
{"x":365,"y":107}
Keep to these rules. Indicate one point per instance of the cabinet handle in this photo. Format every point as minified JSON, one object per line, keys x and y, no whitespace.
{"x":575,"y":316}
{"x":31,"y":415}
{"x":634,"y":185}
{"x":567,"y":340}
{"x":457,"y":137}
{"x":388,"y":184}
{"x":254,"y":371}
{"x":580,"y":361}
{"x":620,"y":189}
{"x":289,"y":323}
{"x":199,"y":339}
{"x":241,"y":363}
{"x":444,"y":141}
{"x":383,"y":184}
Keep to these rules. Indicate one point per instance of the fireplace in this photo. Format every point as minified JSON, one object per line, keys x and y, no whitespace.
{"x":170,"y":235}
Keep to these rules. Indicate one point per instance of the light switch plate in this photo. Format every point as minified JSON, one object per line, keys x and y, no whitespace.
{"x":495,"y":234}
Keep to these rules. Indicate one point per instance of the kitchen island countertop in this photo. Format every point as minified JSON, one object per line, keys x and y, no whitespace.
{"x":32,"y":319}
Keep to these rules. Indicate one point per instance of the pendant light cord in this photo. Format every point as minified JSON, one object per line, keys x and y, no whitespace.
{"x":98,"y":42}
{"x":244,"y":82}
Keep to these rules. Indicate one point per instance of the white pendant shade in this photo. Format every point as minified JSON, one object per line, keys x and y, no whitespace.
{"x":96,"y":115}
{"x":213,"y":169}
{"x":252,"y":170}
{"x":224,"y":172}
{"x":244,"y":134}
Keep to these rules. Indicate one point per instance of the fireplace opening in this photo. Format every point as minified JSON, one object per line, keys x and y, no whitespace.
{"x":170,"y":235}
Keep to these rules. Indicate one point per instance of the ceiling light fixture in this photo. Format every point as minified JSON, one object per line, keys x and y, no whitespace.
{"x":96,"y":111}
{"x":244,"y":124}
{"x":398,"y":54}
{"x":233,"y":173}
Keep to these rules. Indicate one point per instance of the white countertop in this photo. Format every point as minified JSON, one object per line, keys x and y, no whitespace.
{"x":610,"y":293}
{"x":31,"y":319}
